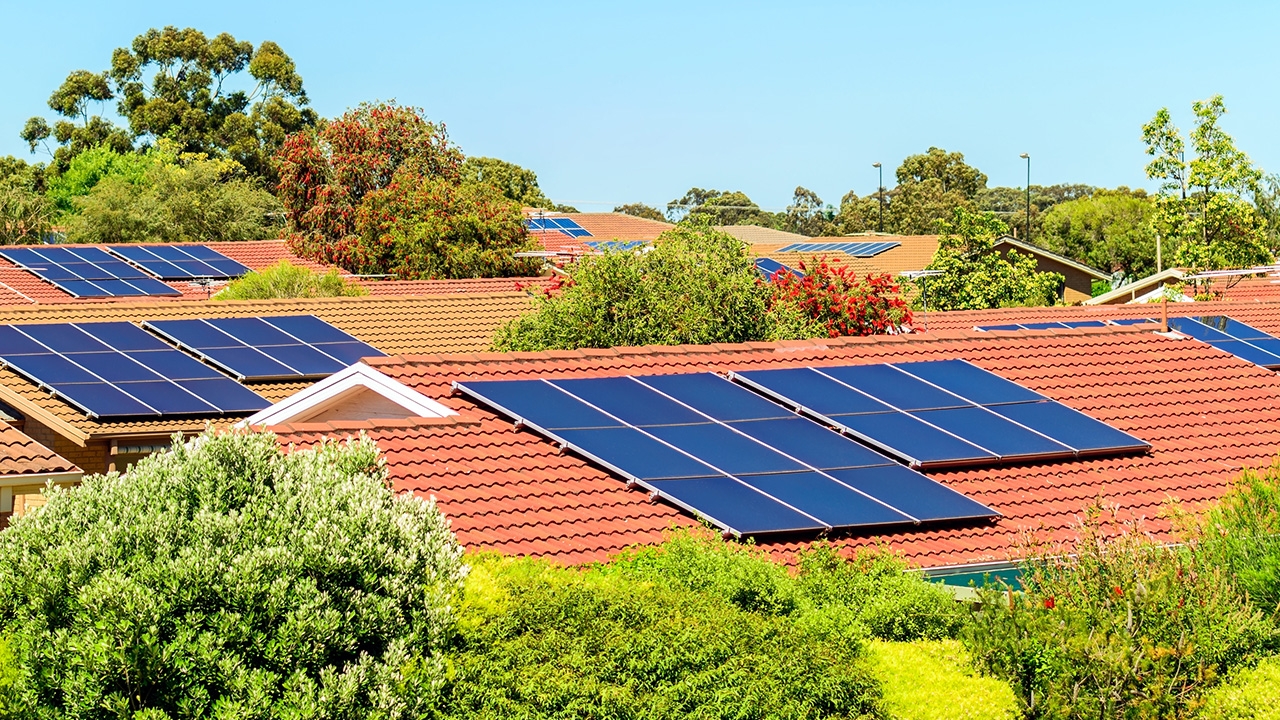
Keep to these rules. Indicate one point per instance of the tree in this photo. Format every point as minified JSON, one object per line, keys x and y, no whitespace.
{"x":514,"y":182}
{"x":25,"y":214}
{"x":714,"y":207}
{"x":698,"y":285}
{"x":187,"y":198}
{"x":641,"y":210}
{"x":93,"y":165}
{"x":975,"y":276}
{"x":224,"y":578}
{"x":807,"y":215}
{"x":860,"y":215}
{"x":181,"y":85}
{"x":1111,"y":229}
{"x":286,"y":280}
{"x":1204,"y":205}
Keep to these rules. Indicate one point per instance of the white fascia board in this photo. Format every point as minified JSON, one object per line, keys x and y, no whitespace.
{"x":358,"y":375}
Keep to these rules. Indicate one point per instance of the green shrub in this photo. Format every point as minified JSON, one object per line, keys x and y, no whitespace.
{"x":1250,"y":694}
{"x":286,"y":280}
{"x":225,"y":579}
{"x":1123,"y":628}
{"x":1241,"y":534}
{"x":934,"y":680}
{"x":539,"y":641}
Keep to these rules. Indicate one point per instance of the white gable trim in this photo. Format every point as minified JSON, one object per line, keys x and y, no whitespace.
{"x":309,"y":402}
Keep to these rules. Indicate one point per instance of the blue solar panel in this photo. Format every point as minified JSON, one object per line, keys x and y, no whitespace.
{"x":895,"y":387}
{"x":913,"y":493}
{"x":1248,"y":352}
{"x":1071,"y":427}
{"x":86,"y":272}
{"x":768,"y":267}
{"x":609,"y":245}
{"x":267,"y":348}
{"x":807,"y":389}
{"x":181,"y":262}
{"x":731,"y":503}
{"x":1133,"y":321}
{"x":927,"y":427}
{"x":706,"y":444}
{"x":971,"y":381}
{"x":118,"y":370}
{"x":856,"y":249}
{"x":1232,"y":336}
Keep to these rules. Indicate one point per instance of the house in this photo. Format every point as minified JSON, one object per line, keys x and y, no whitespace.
{"x":460,"y":322}
{"x":572,"y":233}
{"x":19,"y":286}
{"x":897,"y":254}
{"x":26,"y":467}
{"x":1206,"y":415}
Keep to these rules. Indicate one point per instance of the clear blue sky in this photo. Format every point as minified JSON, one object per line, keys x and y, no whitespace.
{"x":628,"y":102}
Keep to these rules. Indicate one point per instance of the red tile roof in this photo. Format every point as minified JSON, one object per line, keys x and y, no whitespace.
{"x":1206,"y":414}
{"x":419,"y":288}
{"x":21,"y":456}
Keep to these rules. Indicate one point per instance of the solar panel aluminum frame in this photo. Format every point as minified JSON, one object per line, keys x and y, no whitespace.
{"x":713,"y":471}
{"x":912,"y":461}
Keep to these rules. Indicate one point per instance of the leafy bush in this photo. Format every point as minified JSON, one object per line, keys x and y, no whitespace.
{"x":538,"y":641}
{"x":94,"y":165}
{"x":1250,"y":694}
{"x":225,"y":579}
{"x":934,"y":680}
{"x":698,"y":285}
{"x":185,"y":198}
{"x":1241,"y":535}
{"x":1123,"y":628}
{"x":286,"y":280}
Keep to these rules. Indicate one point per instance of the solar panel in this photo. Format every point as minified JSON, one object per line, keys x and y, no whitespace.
{"x":718,"y":450}
{"x":1067,"y":325}
{"x":768,"y":267}
{"x":856,"y":249}
{"x":116,"y":369}
{"x":270,"y":348}
{"x":616,"y":245}
{"x":557,"y":224}
{"x":86,"y":272}
{"x":180,"y":262}
{"x":1231,"y":336}
{"x":941,"y":413}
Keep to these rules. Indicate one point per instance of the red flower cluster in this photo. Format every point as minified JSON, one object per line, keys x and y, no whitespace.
{"x":845,"y":305}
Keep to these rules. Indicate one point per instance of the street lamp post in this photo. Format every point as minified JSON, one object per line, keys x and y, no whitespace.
{"x":881,"y":190}
{"x":1027,"y":157}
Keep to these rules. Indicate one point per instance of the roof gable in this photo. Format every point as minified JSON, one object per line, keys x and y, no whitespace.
{"x":355,"y":393}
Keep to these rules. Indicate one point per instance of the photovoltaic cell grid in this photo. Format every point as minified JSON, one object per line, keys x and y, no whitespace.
{"x":116,"y":369}
{"x":270,"y":348}
{"x":1232,"y":336}
{"x":941,"y":413}
{"x":180,"y":262}
{"x":86,"y":272}
{"x":564,"y":225}
{"x":723,"y":452}
{"x":615,"y":245}
{"x":856,"y":249}
{"x":769,"y":267}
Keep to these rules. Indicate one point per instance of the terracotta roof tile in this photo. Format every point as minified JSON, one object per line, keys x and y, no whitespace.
{"x":1206,"y":414}
{"x":914,"y":253}
{"x":20,"y":456}
{"x":419,"y":288}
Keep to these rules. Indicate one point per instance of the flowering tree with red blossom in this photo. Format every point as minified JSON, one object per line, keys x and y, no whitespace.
{"x":379,"y":191}
{"x":832,"y":300}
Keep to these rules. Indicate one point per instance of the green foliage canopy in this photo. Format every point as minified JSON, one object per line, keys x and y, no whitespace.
{"x":975,"y":276}
{"x":224,"y":578}
{"x":641,"y":210}
{"x":160,"y":197}
{"x":1111,"y":230}
{"x":514,"y":182}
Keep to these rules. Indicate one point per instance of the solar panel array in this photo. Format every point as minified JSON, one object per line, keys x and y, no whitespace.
{"x":180,"y":262}
{"x":615,"y":245}
{"x":555,"y":224}
{"x":769,"y":267}
{"x":1232,"y":336}
{"x":116,"y":369}
{"x":718,"y":450}
{"x":1070,"y":324}
{"x":856,"y":249}
{"x":270,"y":348}
{"x":941,"y":413}
{"x":86,"y":272}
